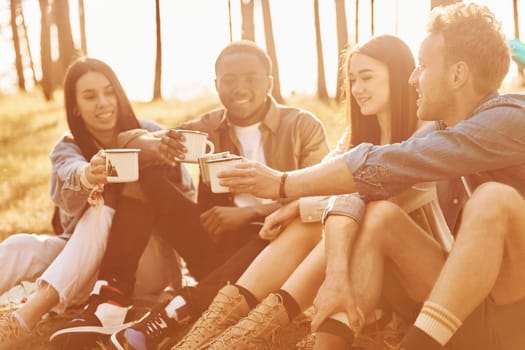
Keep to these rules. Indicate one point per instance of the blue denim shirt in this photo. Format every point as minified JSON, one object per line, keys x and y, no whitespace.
{"x":67,"y":191}
{"x":489,"y":145}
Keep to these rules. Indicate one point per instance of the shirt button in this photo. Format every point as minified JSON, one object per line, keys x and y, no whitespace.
{"x":455,"y":201}
{"x":309,"y":217}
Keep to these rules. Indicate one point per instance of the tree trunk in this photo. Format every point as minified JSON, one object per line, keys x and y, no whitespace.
{"x":230,"y":20}
{"x":321,"y":80}
{"x":356,"y":27}
{"x":66,"y":48}
{"x":82,"y":23}
{"x":342,"y":43}
{"x":157,"y":93}
{"x":516,"y":20}
{"x":521,"y":72}
{"x":270,"y":48}
{"x":27,"y":45}
{"x":248,"y":24}
{"x":45,"y":51}
{"x":372,"y":17}
{"x":434,"y":3}
{"x":15,"y":7}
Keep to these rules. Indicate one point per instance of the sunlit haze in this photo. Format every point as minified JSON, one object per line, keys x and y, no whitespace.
{"x":122,"y":33}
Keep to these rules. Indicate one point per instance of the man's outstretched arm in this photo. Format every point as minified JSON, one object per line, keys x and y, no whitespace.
{"x":330,"y":177}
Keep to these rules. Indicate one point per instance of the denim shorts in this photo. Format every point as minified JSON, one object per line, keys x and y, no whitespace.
{"x":492,"y":327}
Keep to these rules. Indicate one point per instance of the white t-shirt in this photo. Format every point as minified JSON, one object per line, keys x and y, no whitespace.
{"x":250,"y":139}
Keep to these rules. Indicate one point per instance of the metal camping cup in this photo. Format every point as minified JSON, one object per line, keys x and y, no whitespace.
{"x":203,"y":165}
{"x":195,"y":143}
{"x":215,"y":166}
{"x":122,"y":164}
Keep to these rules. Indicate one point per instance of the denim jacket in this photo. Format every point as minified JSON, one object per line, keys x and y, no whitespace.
{"x":487,"y":146}
{"x":67,"y":191}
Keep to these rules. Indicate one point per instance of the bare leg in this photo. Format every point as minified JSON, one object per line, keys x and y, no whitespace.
{"x":389,"y":233}
{"x":40,"y":303}
{"x":279,"y":259}
{"x":304,"y":282}
{"x":491,"y":239}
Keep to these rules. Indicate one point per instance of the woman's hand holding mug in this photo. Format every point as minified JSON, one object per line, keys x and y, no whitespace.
{"x":95,"y":171}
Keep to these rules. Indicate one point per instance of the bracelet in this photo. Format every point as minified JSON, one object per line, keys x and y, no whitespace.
{"x":282,"y":194}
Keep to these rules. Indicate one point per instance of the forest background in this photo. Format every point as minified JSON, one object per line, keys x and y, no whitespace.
{"x":163,"y":52}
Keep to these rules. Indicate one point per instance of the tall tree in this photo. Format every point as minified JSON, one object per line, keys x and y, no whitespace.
{"x":321,"y":80}
{"x":230,"y":27}
{"x":248,"y":24}
{"x":434,"y":3}
{"x":82,"y":23}
{"x":66,"y":47}
{"x":342,"y":43}
{"x":516,"y":20}
{"x":27,"y":45}
{"x":372,"y":17}
{"x":270,"y":48}
{"x":356,"y":24}
{"x":47,"y":81}
{"x":517,"y":34}
{"x":16,"y":7}
{"x":157,"y":92}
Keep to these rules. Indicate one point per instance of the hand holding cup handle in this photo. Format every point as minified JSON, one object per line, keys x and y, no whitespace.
{"x":94,"y":173}
{"x":195,"y":144}
{"x":172,"y":146}
{"x":122,"y":165}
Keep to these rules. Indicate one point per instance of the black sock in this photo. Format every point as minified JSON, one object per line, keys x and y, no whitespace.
{"x":248,"y":296}
{"x":337,"y":328}
{"x":291,"y":306}
{"x":416,"y":339}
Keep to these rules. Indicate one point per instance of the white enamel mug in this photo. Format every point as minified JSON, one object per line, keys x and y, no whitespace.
{"x":122,"y":164}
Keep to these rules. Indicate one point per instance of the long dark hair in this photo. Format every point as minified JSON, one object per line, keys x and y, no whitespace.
{"x":83,"y":137}
{"x":393,"y":52}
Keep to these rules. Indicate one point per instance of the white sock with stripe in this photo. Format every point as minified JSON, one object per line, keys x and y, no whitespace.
{"x":437,"y":322}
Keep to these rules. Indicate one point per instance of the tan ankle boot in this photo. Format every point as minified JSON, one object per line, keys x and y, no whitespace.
{"x":255,"y":331}
{"x":228,"y":307}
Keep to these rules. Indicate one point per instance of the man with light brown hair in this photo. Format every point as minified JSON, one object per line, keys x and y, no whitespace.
{"x":474,"y":296}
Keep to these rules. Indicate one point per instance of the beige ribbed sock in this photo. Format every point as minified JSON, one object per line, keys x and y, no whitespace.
{"x":438,"y":322}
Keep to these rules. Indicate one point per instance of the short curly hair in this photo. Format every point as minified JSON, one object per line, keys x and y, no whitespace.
{"x":473,"y":35}
{"x":245,"y":46}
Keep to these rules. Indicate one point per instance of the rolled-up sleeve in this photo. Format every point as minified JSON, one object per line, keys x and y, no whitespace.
{"x":311,"y":209}
{"x":491,"y":141}
{"x":350,"y":205}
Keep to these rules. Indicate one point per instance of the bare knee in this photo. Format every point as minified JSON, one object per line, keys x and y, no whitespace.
{"x":380,"y":218}
{"x":299,"y":234}
{"x":494,"y":203}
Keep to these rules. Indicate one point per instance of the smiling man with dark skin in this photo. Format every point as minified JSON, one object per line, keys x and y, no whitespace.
{"x":474,"y":296}
{"x":217,"y":236}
